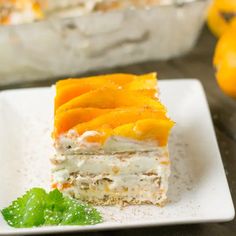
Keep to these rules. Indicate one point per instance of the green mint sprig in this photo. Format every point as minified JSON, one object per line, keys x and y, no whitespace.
{"x":39,"y":208}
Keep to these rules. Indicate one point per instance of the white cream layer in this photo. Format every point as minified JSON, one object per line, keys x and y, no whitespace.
{"x":129,"y":175}
{"x":138,"y":188}
{"x":120,"y":169}
{"x":71,"y":143}
{"x":114,"y":164}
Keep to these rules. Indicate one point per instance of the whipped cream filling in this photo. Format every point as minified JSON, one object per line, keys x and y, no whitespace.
{"x":141,"y":188}
{"x":116,"y":164}
{"x":121,"y":168}
{"x":112,"y":173}
{"x":72,"y":143}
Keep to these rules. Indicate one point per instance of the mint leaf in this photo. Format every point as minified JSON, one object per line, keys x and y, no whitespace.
{"x":81,"y":214}
{"x":26,"y":211}
{"x":38,"y":208}
{"x":55,"y":208}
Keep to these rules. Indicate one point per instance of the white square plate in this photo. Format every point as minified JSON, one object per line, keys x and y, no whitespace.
{"x":198,"y":189}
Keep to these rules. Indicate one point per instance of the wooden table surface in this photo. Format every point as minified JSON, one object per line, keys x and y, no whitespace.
{"x":197,"y":64}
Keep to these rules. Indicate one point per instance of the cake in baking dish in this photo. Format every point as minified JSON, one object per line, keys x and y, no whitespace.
{"x":111,"y":140}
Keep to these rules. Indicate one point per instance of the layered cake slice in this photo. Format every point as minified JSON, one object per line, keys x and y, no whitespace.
{"x":111,"y":135}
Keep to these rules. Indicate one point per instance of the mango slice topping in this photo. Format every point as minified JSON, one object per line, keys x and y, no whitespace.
{"x":122,"y":105}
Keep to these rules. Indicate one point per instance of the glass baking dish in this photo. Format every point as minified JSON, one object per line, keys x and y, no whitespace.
{"x":66,"y":47}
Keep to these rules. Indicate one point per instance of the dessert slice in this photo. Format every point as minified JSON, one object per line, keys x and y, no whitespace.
{"x":111,"y":139}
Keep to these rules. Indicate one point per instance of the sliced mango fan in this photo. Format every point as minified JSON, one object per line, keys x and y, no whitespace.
{"x":118,"y":104}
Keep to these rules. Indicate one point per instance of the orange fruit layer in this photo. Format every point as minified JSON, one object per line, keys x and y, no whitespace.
{"x":68,"y":119}
{"x":111,"y":98}
{"x":119,"y":104}
{"x":118,"y":117}
{"x":147,"y":81}
{"x":68,"y":92}
{"x":120,"y":79}
{"x":71,"y":88}
{"x":147,"y":129}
